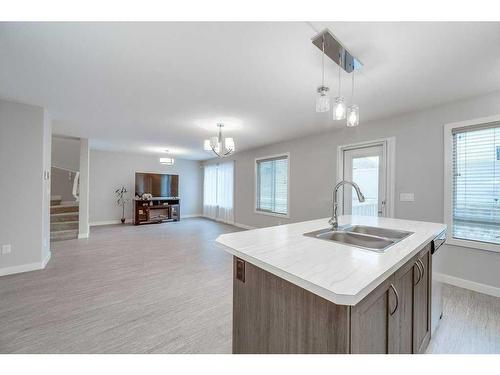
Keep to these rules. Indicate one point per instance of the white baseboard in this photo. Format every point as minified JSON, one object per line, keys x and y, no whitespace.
{"x":46,"y":260}
{"x":239,"y":225}
{"x":118,"y":221}
{"x":109,"y":222}
{"x":188,"y":216}
{"x":467,"y":284}
{"x":83,"y":235}
{"x":243,"y":226}
{"x":26,"y":267}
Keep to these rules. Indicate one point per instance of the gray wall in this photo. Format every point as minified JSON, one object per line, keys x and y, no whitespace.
{"x":419,"y":169}
{"x":66,"y":153}
{"x":24,"y":155}
{"x":110,"y":170}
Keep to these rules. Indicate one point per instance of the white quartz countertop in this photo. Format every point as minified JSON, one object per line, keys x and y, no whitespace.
{"x":340,"y":273}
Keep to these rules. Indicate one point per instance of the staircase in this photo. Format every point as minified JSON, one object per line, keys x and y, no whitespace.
{"x":63,"y":219}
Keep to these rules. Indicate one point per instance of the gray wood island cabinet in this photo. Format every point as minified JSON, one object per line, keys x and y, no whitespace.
{"x":281,"y":305}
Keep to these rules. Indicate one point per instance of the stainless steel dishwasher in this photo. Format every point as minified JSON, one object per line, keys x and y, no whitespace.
{"x":437,"y":287}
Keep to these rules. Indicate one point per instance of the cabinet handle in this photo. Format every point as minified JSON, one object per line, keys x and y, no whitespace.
{"x":423,"y":267}
{"x":397,"y":300}
{"x":419,"y":272}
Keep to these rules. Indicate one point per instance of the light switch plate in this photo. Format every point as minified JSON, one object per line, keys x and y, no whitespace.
{"x":6,"y":249}
{"x":406,"y":197}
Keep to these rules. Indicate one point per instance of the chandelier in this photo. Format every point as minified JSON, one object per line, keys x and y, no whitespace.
{"x":220,"y":146}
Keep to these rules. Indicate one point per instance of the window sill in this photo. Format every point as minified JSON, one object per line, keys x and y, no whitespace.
{"x":285,"y":216}
{"x":486,"y":246}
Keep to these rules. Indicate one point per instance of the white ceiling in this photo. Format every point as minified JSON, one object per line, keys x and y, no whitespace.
{"x":145,"y":87}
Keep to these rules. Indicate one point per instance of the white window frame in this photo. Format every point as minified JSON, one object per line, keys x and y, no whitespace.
{"x":256,"y":190}
{"x":389,"y":149}
{"x":448,"y":184}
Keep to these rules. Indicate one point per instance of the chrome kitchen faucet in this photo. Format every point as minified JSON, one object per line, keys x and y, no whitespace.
{"x":334,"y":219}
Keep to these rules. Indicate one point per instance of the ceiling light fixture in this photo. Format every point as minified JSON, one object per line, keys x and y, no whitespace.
{"x":220,"y":146}
{"x":331,"y":47}
{"x":323,"y":100}
{"x":167,"y":161}
{"x":353,"y":109}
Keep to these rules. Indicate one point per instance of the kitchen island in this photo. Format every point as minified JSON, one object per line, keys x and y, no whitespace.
{"x":297,"y":294}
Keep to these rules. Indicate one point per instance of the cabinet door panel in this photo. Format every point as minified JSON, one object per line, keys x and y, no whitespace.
{"x":371,"y":321}
{"x":404,"y":285}
{"x":421,"y":310}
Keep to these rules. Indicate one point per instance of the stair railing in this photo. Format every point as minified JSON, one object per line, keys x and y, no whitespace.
{"x":76,"y":181}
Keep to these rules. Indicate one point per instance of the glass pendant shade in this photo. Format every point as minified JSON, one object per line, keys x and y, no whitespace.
{"x":322,"y":100}
{"x":229,"y":144}
{"x":353,"y":115}
{"x":339,"y":108}
{"x":206,"y":145}
{"x":167,"y":161}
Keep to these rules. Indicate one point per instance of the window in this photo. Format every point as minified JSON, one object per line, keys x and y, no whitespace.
{"x":218,"y":187}
{"x":473,"y":180}
{"x":272,"y":185}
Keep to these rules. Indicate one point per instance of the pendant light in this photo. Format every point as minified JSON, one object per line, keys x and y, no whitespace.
{"x":353,"y":109}
{"x":167,"y":161}
{"x":323,"y":100}
{"x":339,"y":109}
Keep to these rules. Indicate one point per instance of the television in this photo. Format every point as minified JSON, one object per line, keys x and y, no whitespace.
{"x":158,"y":185}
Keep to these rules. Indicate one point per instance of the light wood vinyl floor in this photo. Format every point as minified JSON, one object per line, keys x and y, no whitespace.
{"x":162,"y":288}
{"x":167,"y":288}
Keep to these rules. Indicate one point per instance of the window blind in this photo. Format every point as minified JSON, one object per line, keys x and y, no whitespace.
{"x":272,"y":185}
{"x":476,"y":183}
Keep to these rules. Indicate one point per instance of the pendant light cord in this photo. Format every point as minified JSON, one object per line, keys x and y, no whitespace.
{"x":323,"y":61}
{"x":352,"y":90}
{"x":339,"y":80}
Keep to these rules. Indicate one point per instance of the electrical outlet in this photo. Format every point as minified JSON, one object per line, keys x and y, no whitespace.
{"x":6,"y":249}
{"x":407,"y":197}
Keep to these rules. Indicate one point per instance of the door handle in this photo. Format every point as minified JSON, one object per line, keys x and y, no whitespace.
{"x":397,"y":299}
{"x":423,"y":267}
{"x":419,"y":272}
{"x":382,"y":204}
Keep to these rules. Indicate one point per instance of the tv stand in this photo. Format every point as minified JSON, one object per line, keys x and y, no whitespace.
{"x":156,"y":210}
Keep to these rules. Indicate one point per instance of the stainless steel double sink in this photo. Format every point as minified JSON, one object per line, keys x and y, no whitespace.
{"x":365,"y":237}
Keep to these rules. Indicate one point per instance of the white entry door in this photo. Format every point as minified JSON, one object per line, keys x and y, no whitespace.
{"x":366,"y":166}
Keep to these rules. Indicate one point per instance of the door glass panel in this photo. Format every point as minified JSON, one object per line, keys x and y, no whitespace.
{"x":365,"y":172}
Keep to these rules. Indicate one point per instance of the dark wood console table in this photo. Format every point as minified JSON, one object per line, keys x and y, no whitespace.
{"x":156,"y":210}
